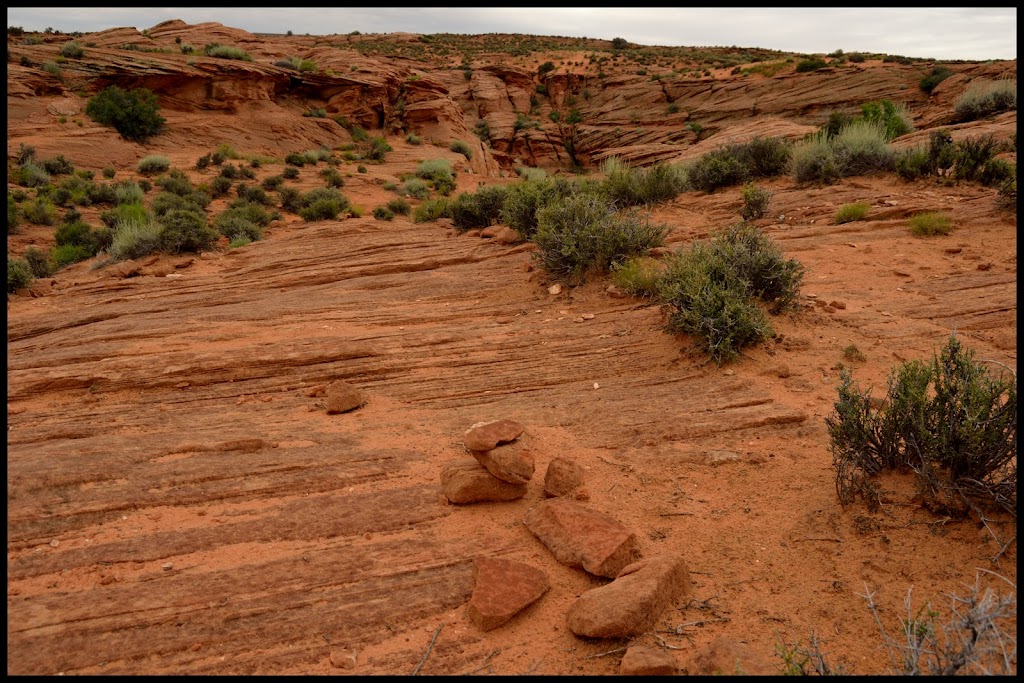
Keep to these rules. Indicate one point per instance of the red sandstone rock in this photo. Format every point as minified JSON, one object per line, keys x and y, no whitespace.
{"x":727,"y":657}
{"x":343,"y":397}
{"x":466,"y":481}
{"x":643,"y":660}
{"x":510,"y":463}
{"x":503,"y":589}
{"x":580,"y":537}
{"x":563,"y":478}
{"x":632,"y":603}
{"x":484,"y":436}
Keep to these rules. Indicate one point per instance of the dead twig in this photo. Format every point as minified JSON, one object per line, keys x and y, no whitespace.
{"x":819,"y":538}
{"x":429,"y":648}
{"x":533,"y":667}
{"x":676,"y":514}
{"x":604,"y":654}
{"x":664,"y":644}
{"x":484,"y":665}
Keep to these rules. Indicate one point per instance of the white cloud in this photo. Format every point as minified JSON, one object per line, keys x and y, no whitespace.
{"x":942,"y":33}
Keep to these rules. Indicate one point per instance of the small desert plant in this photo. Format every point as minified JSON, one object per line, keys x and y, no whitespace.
{"x":332,"y":178}
{"x":462,"y":148}
{"x":810,"y":64}
{"x":135,"y":237}
{"x":439,"y":172}
{"x":929,"y":223}
{"x":226,"y":52}
{"x":40,"y":211}
{"x":583,"y":235}
{"x":153,"y":164}
{"x":315,"y":113}
{"x":399,"y":206}
{"x":951,"y":421}
{"x":290,"y":173}
{"x":413,"y":139}
{"x":715,"y":169}
{"x":133,"y":113}
{"x":19,"y":274}
{"x":894,"y":119}
{"x":128,"y":192}
{"x":323,"y":203}
{"x":847,"y":213}
{"x":933,"y":78}
{"x":12,"y":214}
{"x":432,"y":209}
{"x":985,"y":98}
{"x":71,"y":50}
{"x":377,"y":150}
{"x":639,"y":276}
{"x":852,"y":354}
{"x":32,"y":174}
{"x":219,"y":186}
{"x":755,"y":202}
{"x":383,"y":213}
{"x":57,"y":165}
{"x":109,"y":172}
{"x":478,"y":209}
{"x":415,"y":188}
{"x":186,"y":230}
{"x":39,"y":262}
{"x":626,"y":186}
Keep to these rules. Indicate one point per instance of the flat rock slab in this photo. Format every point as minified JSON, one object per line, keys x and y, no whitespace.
{"x":632,"y":603}
{"x":643,"y":660}
{"x":511,"y":463}
{"x":343,"y":397}
{"x":725,"y":656}
{"x":467,"y":481}
{"x":484,"y":436}
{"x":503,"y":589}
{"x":564,"y":477}
{"x":580,"y":537}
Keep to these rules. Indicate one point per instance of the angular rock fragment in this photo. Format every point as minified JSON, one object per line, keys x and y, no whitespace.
{"x":563,"y":477}
{"x":580,"y":537}
{"x":486,"y":435}
{"x":632,"y":603}
{"x":503,"y":589}
{"x":467,"y":481}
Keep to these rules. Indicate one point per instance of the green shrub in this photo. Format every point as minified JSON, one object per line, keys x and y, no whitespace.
{"x":323,"y":203}
{"x":626,"y":186}
{"x":240,"y":241}
{"x":399,"y":206}
{"x":19,"y":274}
{"x":848,"y":213}
{"x":32,"y":175}
{"x":383,"y":213}
{"x":912,"y":163}
{"x":972,"y":154}
{"x":582,"y":235}
{"x":951,"y":421}
{"x":837,"y":120}
{"x":133,"y":113}
{"x":716,"y":169}
{"x":53,"y":69}
{"x":185,"y":230}
{"x":763,"y":157}
{"x":894,"y":119}
{"x":413,"y":139}
{"x":290,"y":173}
{"x":811,"y":64}
{"x":861,"y":148}
{"x":272,"y":183}
{"x":63,"y":255}
{"x":219,"y":186}
{"x":235,"y":224}
{"x":76,"y":233}
{"x":755,"y":202}
{"x":933,"y":78}
{"x":930,"y":223}
{"x":291,"y":199}
{"x":479,"y":209}
{"x":71,"y":50}
{"x":128,"y":192}
{"x":226,"y":52}
{"x":295,"y":159}
{"x":461,"y":148}
{"x":124,"y":212}
{"x":109,"y":172}
{"x":134,"y":237}
{"x":377,"y":150}
{"x":153,"y":164}
{"x":13,"y":219}
{"x":361,"y":169}
{"x":40,"y":211}
{"x":58,"y":165}
{"x":432,"y":209}
{"x":439,"y":172}
{"x":176,"y":182}
{"x":316,"y":113}
{"x":639,"y":276}
{"x":415,"y":188}
{"x":986,"y":98}
{"x":39,"y":262}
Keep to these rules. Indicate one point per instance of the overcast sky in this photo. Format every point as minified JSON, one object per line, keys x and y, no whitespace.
{"x":940,"y":33}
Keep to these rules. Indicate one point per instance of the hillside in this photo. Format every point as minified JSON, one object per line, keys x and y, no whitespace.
{"x":181,"y":500}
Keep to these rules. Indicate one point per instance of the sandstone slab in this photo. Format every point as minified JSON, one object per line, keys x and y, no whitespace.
{"x":467,"y":481}
{"x":503,"y":589}
{"x":580,"y":537}
{"x":564,"y":477}
{"x":484,"y":436}
{"x":727,"y":657}
{"x":632,"y":603}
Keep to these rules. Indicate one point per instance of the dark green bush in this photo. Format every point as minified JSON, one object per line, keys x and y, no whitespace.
{"x":479,"y":209}
{"x":377,"y":150}
{"x":934,"y":77}
{"x":133,"y":113}
{"x":186,"y":230}
{"x":894,"y":119}
{"x":40,"y":211}
{"x":39,"y":262}
{"x":332,"y":178}
{"x":12,"y":214}
{"x":58,"y":165}
{"x":462,"y":148}
{"x":175,"y":182}
{"x":399,"y":206}
{"x":272,"y":183}
{"x":383,"y":213}
{"x":755,"y":202}
{"x":626,"y":186}
{"x":972,"y":153}
{"x":251,"y":193}
{"x":951,"y":421}
{"x":432,"y":209}
{"x":295,"y":159}
{"x":716,"y":169}
{"x":71,"y":50}
{"x":323,"y":203}
{"x":63,"y":255}
{"x":290,"y":173}
{"x":219,"y":186}
{"x":811,"y":64}
{"x":153,"y":164}
{"x":582,"y":235}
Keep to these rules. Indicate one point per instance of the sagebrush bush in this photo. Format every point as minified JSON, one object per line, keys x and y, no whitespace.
{"x":861,"y":148}
{"x":31,"y":174}
{"x":226,"y":52}
{"x":219,"y":186}
{"x":718,"y":168}
{"x":933,"y":78}
{"x":19,"y":274}
{"x":323,"y":203}
{"x":383,"y":213}
{"x":583,"y":235}
{"x":462,"y":148}
{"x":40,"y":211}
{"x":810,"y":64}
{"x":432,"y":209}
{"x":894,"y":119}
{"x":185,"y":230}
{"x":71,"y":50}
{"x":153,"y":164}
{"x":755,"y":202}
{"x":57,"y":165}
{"x":399,"y":206}
{"x":951,"y":421}
{"x":413,"y":139}
{"x":639,"y":276}
{"x":478,"y":209}
{"x":626,"y":186}
{"x":439,"y":172}
{"x":377,"y":150}
{"x":134,"y":237}
{"x":929,"y":223}
{"x":848,"y":213}
{"x":13,"y":219}
{"x":763,"y":157}
{"x":985,"y":98}
{"x":133,"y":113}
{"x":39,"y":262}
{"x":128,"y":192}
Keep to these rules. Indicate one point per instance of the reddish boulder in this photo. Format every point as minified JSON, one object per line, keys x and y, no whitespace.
{"x":343,"y":397}
{"x":563,"y":477}
{"x":510,"y":463}
{"x":643,"y":660}
{"x":632,"y":603}
{"x":503,"y":589}
{"x":466,"y":481}
{"x":580,"y":537}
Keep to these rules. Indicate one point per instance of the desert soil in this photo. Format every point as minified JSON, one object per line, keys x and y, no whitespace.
{"x":180,"y":501}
